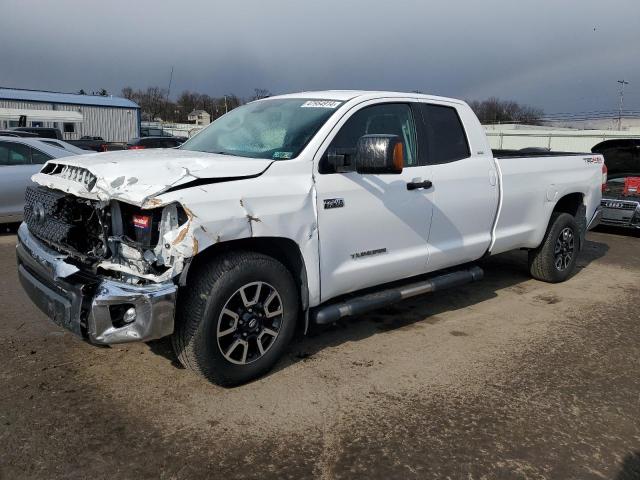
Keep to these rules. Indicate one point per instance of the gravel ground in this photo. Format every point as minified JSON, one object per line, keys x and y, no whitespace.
{"x":507,"y":378}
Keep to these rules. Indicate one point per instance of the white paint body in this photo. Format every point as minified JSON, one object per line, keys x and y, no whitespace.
{"x":476,"y":206}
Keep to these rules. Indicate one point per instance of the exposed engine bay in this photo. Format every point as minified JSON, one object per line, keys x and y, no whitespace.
{"x":113,"y":239}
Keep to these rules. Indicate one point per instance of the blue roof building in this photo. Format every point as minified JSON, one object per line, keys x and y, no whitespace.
{"x":115,"y":119}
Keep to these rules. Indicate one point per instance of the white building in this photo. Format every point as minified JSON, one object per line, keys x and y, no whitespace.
{"x":607,"y":123}
{"x":114,"y":119}
{"x":200,"y":117}
{"x":555,"y":138}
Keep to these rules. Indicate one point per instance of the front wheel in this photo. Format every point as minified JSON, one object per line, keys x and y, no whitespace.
{"x":555,"y":259}
{"x":236,"y":317}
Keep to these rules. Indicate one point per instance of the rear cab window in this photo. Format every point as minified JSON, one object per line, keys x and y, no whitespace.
{"x":444,"y":133}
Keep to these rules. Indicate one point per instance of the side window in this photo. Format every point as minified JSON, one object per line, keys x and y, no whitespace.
{"x":388,"y":119}
{"x":14,"y":154}
{"x":446,"y":135}
{"x":39,"y":157}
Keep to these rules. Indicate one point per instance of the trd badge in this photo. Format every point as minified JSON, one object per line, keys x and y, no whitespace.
{"x":333,"y":203}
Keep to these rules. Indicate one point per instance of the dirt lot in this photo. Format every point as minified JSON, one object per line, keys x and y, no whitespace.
{"x":507,"y":378}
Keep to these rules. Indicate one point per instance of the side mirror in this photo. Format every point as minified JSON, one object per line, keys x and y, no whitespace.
{"x":379,"y":154}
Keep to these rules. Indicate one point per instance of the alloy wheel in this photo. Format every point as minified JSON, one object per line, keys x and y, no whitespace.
{"x":249,"y":323}
{"x":564,"y":249}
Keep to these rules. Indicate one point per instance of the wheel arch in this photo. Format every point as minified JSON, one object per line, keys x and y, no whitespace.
{"x":573,"y":204}
{"x":570,"y":203}
{"x":283,"y":249}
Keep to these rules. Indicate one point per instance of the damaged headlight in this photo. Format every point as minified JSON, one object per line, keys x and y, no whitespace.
{"x":145,"y":228}
{"x":141,"y":239}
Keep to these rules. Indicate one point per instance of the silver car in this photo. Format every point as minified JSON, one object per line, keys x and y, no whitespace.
{"x":19,"y":159}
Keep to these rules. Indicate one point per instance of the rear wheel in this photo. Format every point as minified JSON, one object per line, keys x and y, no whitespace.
{"x":236,"y":317}
{"x":555,"y":259}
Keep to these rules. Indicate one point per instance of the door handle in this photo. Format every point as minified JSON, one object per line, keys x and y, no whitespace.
{"x":416,"y":185}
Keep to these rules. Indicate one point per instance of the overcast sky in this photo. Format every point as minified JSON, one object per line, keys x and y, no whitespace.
{"x":560,"y":55}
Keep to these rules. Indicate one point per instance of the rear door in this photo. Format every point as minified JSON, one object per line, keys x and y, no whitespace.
{"x":16,"y":169}
{"x":372,"y":228}
{"x":465,"y":189}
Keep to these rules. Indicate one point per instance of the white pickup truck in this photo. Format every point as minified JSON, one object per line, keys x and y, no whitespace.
{"x":291,"y":210}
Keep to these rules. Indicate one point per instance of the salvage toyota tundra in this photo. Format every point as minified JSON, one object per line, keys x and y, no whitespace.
{"x":288,"y":211}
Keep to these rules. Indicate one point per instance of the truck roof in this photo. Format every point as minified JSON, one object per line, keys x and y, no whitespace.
{"x":345,"y":95}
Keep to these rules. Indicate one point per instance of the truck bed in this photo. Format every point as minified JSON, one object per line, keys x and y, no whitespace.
{"x":530,"y":186}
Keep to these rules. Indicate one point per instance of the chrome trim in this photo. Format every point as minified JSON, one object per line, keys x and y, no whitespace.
{"x":46,"y":262}
{"x":619,"y":204}
{"x":81,"y":304}
{"x":155,"y":308}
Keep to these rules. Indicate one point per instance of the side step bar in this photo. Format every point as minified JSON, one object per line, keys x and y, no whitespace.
{"x":330,"y":313}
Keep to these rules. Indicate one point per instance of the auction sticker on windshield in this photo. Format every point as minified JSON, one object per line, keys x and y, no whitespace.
{"x":282,"y":155}
{"x":320,"y":104}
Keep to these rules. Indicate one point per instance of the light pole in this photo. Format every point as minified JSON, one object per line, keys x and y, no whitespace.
{"x":622,"y":84}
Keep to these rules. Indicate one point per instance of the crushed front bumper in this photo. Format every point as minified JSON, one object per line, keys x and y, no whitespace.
{"x":91,"y":306}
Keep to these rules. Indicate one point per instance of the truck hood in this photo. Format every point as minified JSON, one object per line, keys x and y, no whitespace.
{"x":134,"y":176}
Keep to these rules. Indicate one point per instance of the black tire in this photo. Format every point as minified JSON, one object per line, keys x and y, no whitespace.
{"x":196,"y":340}
{"x":544,"y":261}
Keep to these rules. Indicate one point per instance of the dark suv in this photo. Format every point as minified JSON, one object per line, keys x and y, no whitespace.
{"x":154,"y":142}
{"x":620,"y":196}
{"x":42,"y":132}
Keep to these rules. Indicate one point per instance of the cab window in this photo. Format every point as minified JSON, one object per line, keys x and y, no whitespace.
{"x":386,"y":119}
{"x":445,"y":134}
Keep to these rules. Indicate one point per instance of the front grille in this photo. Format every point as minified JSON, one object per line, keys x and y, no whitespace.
{"x":619,"y":204}
{"x":73,"y":173}
{"x":63,"y":221}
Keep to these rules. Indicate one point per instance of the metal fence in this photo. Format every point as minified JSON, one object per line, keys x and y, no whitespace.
{"x":574,"y":141}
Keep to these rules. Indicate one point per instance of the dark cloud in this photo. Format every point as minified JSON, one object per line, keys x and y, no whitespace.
{"x":561,"y":56}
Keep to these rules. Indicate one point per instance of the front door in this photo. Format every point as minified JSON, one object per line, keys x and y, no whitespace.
{"x":372,"y":228}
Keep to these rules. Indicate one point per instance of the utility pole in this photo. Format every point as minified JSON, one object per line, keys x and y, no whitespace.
{"x":622,"y":84}
{"x":170,"y":81}
{"x":168,"y":91}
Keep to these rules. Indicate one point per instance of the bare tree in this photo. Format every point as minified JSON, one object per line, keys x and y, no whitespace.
{"x":152,"y":101}
{"x":494,"y":110}
{"x":127,"y":92}
{"x":232,"y":101}
{"x":188,"y":102}
{"x":259,"y":93}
